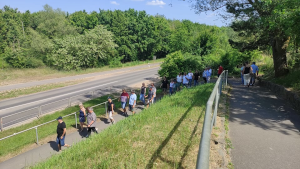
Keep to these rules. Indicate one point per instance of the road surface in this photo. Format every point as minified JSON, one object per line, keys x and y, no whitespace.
{"x":263,"y":128}
{"x":112,"y":79}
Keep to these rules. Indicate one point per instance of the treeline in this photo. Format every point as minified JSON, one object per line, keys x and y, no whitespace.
{"x":82,"y":40}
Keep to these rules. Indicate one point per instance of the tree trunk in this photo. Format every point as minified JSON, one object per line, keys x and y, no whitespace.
{"x":279,"y":47}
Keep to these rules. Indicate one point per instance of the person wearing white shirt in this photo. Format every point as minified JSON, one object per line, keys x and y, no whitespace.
{"x":190,"y":77}
{"x":185,"y":80}
{"x":172,"y":87}
{"x":179,"y":81}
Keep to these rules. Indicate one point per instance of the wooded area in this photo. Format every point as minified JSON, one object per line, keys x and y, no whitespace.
{"x":81,"y":40}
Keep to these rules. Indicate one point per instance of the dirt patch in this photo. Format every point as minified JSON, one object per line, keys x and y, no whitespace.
{"x":220,"y":144}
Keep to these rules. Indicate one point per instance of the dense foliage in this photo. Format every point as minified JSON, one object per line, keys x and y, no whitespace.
{"x":82,"y":40}
{"x":260,"y":25}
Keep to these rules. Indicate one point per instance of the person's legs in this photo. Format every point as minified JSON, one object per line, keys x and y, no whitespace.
{"x":190,"y":82}
{"x":94,"y":130}
{"x":170,"y":90}
{"x":208,"y":79}
{"x":111,"y":118}
{"x":81,"y":125}
{"x":242,"y":76}
{"x":58,"y":143}
{"x":142,"y":98}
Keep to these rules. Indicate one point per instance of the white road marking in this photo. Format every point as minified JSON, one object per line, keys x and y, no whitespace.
{"x":58,"y":96}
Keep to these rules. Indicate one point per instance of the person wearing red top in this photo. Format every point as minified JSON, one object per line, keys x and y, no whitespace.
{"x":220,"y":70}
{"x":124,"y":97}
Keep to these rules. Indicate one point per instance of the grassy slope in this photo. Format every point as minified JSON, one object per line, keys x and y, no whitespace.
{"x":167,"y":135}
{"x":15,"y":144}
{"x":13,"y":76}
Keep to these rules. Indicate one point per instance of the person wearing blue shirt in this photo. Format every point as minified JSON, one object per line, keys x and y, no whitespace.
{"x":204,"y":75}
{"x":132,"y":101}
{"x":208,"y":74}
{"x":254,"y":73}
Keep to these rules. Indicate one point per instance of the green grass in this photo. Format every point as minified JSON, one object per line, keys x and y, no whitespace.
{"x":13,"y":76}
{"x":15,"y":144}
{"x":35,"y":89}
{"x":167,"y":135}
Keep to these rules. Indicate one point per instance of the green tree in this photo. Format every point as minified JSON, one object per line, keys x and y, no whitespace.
{"x":259,"y":22}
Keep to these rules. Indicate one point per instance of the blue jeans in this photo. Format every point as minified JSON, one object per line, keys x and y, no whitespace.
{"x":60,"y":141}
{"x":196,"y":82}
{"x":190,"y":82}
{"x":123,"y":104}
{"x":142,"y":98}
{"x":242,"y":79}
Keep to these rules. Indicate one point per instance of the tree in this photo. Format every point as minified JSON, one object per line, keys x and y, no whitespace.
{"x":259,"y":22}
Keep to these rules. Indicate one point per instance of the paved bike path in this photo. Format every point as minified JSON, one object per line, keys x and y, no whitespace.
{"x":41,"y":153}
{"x":263,"y":128}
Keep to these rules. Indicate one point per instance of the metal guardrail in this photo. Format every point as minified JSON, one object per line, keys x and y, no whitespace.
{"x":210,"y":120}
{"x":36,"y":127}
{"x":37,"y":111}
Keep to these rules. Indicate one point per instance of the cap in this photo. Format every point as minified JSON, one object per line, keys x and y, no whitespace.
{"x":132,"y":91}
{"x":109,"y":98}
{"x":59,"y":118}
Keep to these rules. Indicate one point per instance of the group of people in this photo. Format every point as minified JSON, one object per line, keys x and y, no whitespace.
{"x":249,"y":74}
{"x":89,"y":117}
{"x":187,"y":79}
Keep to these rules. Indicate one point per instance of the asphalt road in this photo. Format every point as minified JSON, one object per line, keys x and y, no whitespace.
{"x":29,"y":105}
{"x":263,"y":128}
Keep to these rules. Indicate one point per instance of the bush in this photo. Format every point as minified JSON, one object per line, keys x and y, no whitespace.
{"x":115,"y":62}
{"x":177,"y":62}
{"x":34,"y":63}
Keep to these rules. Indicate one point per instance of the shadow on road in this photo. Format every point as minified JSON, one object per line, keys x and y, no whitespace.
{"x":259,"y":107}
{"x":53,"y":145}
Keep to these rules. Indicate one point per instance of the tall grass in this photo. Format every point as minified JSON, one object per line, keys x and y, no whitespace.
{"x":167,"y":135}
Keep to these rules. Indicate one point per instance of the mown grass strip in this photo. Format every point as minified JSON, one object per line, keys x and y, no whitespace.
{"x":167,"y":135}
{"x":14,"y":144}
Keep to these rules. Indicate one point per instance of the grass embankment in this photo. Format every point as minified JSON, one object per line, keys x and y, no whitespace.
{"x":167,"y":135}
{"x":13,"y":76}
{"x":35,"y":89}
{"x":291,"y":81}
{"x":15,"y":144}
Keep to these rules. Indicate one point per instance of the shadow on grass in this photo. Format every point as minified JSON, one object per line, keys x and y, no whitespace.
{"x":157,"y":153}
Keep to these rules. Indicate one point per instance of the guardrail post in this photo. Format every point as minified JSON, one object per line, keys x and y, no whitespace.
{"x":204,"y":148}
{"x":37,"y":136}
{"x":76,"y":119}
{"x":226,"y":77}
{"x":1,"y":124}
{"x":106,"y":110}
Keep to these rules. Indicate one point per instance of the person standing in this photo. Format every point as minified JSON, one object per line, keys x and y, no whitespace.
{"x":91,"y":122}
{"x":179,"y":81}
{"x":132,"y":101}
{"x":154,"y":92}
{"x":150,"y":96}
{"x":82,"y":116}
{"x":242,"y":68}
{"x":61,"y":133}
{"x":164,"y":85}
{"x":171,"y":86}
{"x":196,"y":78}
{"x":190,"y":77}
{"x":220,"y":70}
{"x":142,"y":93}
{"x":185,"y":80}
{"x":246,"y":73}
{"x":124,"y":96}
{"x":254,"y":73}
{"x":110,"y":110}
{"x":204,"y":75}
{"x":208,"y":74}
